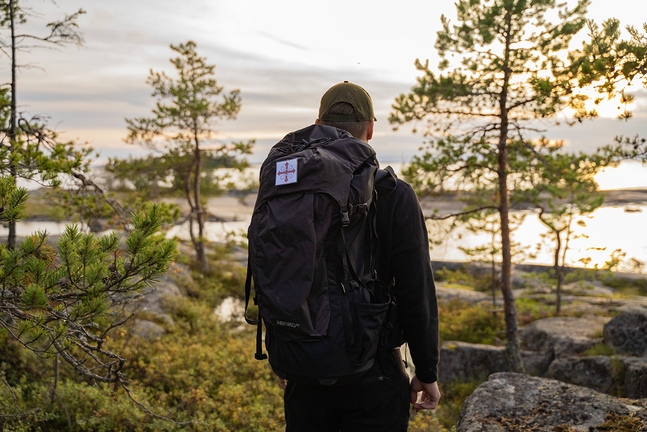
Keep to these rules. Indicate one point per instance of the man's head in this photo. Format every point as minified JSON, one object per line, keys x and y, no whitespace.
{"x":349,"y":107}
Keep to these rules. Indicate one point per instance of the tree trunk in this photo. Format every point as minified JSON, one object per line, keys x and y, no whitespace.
{"x":493,"y":272}
{"x":493,"y":283}
{"x":192,"y":209}
{"x":512,"y":337}
{"x":558,"y":273}
{"x":13,"y":129}
{"x":199,"y":245}
{"x":510,"y":311}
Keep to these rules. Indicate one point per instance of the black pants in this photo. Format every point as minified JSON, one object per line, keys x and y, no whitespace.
{"x":377,"y":402}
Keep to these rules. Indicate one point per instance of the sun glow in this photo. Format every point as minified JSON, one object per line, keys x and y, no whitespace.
{"x":605,"y":106}
{"x":627,"y":175}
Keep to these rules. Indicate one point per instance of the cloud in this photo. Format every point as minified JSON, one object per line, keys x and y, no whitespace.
{"x":282,"y":55}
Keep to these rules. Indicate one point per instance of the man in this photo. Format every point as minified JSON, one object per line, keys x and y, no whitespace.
{"x":379,"y":400}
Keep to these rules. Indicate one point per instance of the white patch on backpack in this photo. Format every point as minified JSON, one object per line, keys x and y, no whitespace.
{"x":286,"y":172}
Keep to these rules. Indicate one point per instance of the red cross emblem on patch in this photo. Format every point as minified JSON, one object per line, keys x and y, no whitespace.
{"x":286,"y":172}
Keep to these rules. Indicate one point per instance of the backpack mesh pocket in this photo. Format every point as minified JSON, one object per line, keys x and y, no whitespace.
{"x":365,"y":311}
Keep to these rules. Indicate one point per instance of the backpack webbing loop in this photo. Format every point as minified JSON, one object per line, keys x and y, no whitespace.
{"x":259,"y":355}
{"x":248,"y":292}
{"x":258,"y":322}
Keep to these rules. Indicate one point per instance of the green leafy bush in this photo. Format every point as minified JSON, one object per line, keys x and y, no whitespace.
{"x":462,"y":321}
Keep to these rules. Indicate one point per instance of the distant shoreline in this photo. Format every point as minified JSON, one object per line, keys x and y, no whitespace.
{"x":234,"y":207}
{"x":446,"y":204}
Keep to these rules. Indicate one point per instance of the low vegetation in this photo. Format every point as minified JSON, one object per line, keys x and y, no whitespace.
{"x":201,"y":374}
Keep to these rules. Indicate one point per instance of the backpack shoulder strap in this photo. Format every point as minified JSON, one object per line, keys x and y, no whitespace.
{"x":385,"y":181}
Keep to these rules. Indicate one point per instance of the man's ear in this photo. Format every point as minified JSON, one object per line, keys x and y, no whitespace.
{"x":317,"y":121}
{"x":369,"y":132}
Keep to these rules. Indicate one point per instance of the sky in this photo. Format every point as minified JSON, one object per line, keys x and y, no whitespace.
{"x":281,"y":54}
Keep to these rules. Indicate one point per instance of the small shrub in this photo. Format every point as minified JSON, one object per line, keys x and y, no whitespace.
{"x":457,"y":276}
{"x":529,"y":310}
{"x":462,"y":321}
{"x":454,"y":396}
{"x":634,"y":286}
{"x":445,"y":417}
{"x":425,"y":421}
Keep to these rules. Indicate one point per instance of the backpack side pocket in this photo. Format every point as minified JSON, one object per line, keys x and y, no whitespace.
{"x":364,"y":311}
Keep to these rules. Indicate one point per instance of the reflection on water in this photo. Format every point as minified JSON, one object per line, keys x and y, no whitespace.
{"x":215,"y":231}
{"x":607,"y":229}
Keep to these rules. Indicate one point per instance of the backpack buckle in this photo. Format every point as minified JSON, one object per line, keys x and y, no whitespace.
{"x":361,"y":208}
{"x":345,"y":218}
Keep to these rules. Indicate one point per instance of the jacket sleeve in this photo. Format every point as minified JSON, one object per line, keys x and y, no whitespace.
{"x":414,"y":286}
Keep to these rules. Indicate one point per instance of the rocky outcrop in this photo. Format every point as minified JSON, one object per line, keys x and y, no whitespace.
{"x":617,"y":375}
{"x":516,"y":402}
{"x":97,"y":225}
{"x":555,"y":348}
{"x":156,"y":301}
{"x":231,"y":310}
{"x":594,"y":372}
{"x":627,"y":333}
{"x":448,"y":293}
{"x":154,"y":305}
{"x":462,"y":361}
{"x":563,"y":336}
{"x":635,"y":372}
{"x":147,"y":329}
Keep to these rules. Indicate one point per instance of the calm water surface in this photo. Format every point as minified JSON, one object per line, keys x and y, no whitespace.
{"x":607,"y":230}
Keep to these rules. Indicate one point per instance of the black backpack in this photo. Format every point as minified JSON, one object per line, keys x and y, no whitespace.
{"x":312,"y":252}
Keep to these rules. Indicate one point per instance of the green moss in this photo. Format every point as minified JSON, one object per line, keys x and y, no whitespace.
{"x":563,"y":428}
{"x":458,"y":286}
{"x":621,"y":423}
{"x":600,"y":349}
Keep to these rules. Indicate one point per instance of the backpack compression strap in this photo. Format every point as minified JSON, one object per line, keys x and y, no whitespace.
{"x":258,"y":322}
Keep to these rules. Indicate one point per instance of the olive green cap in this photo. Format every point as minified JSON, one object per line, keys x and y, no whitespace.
{"x":351,"y":94}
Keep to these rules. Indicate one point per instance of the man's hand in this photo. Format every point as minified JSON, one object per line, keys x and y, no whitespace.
{"x":282,"y":383}
{"x":430,"y":394}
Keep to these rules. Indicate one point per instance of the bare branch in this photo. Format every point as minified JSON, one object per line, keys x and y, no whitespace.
{"x":15,"y":400}
{"x":463,"y":213}
{"x":149,"y":411}
{"x":116,"y":205}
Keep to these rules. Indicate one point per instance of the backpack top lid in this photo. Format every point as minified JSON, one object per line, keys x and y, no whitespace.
{"x":317,"y":158}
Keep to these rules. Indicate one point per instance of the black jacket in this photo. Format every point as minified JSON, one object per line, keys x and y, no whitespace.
{"x":403,"y":261}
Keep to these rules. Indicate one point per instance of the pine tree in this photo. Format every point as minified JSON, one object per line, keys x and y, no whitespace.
{"x":64,"y":299}
{"x":564,"y":189}
{"x":28,"y":148}
{"x":183,"y":124}
{"x":504,"y":67}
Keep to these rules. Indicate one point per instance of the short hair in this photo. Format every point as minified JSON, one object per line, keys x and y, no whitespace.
{"x":358,"y":129}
